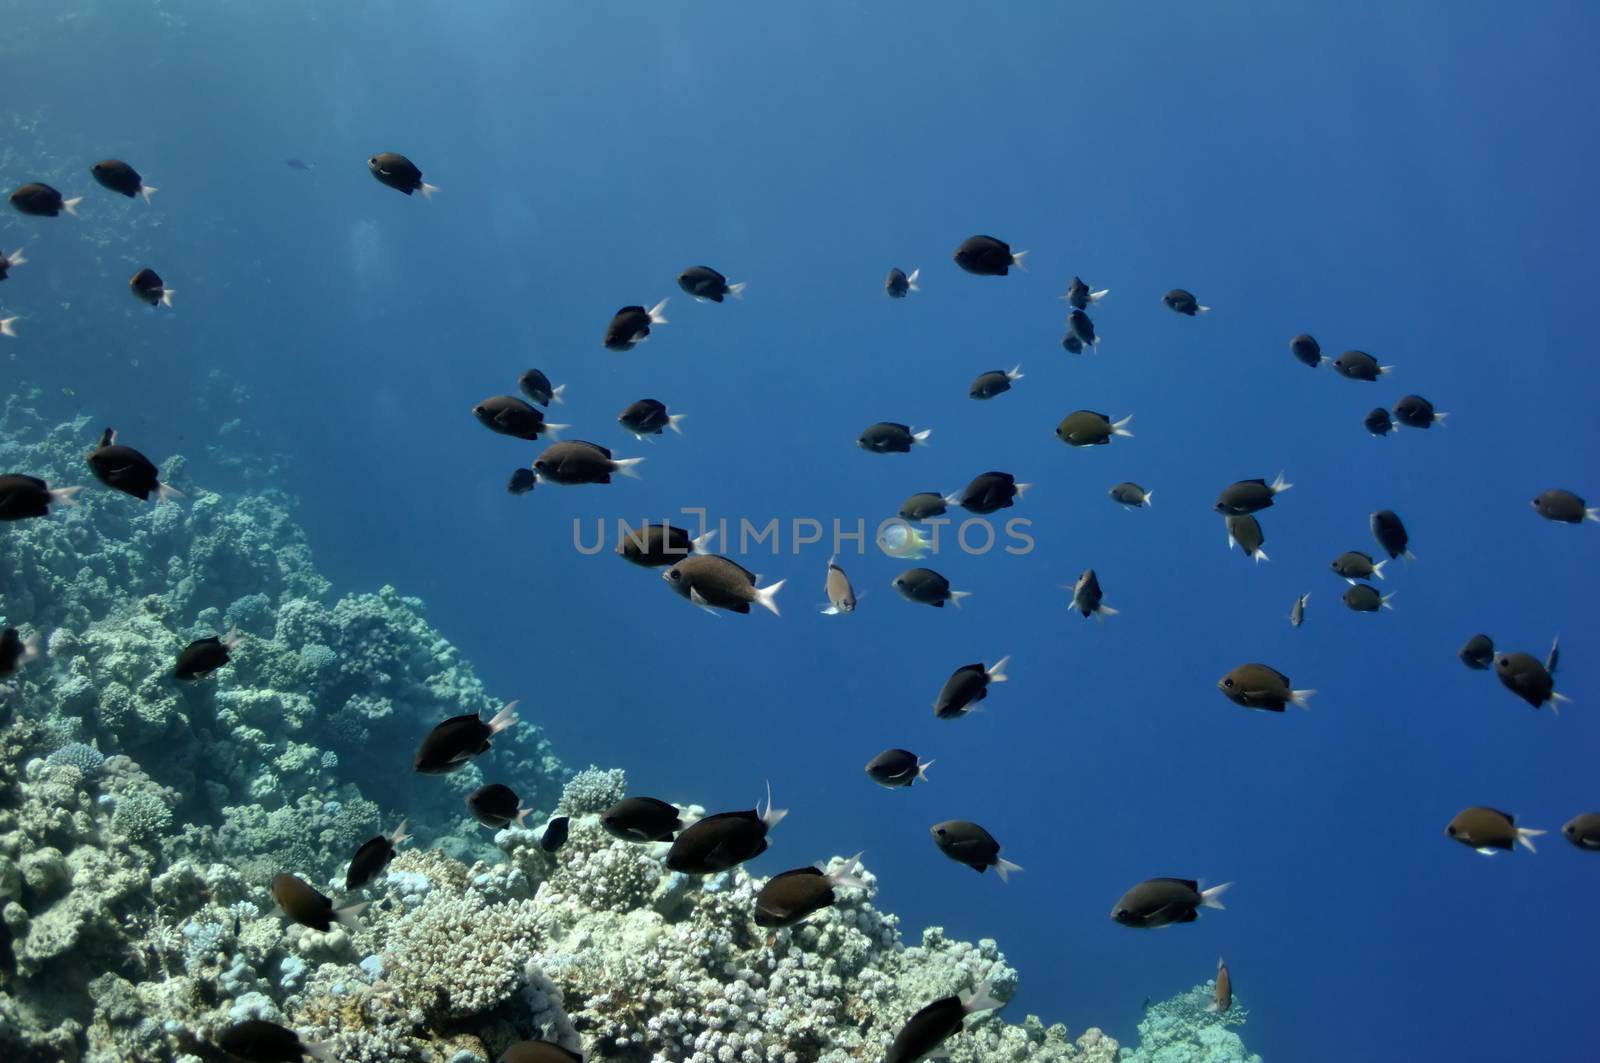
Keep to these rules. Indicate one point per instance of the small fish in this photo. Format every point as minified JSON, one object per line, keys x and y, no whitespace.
{"x":536,"y":386}
{"x":1414,"y":411}
{"x":841,"y":596}
{"x":724,"y":840}
{"x":23,"y":497}
{"x":994,"y":382}
{"x":642,"y":819}
{"x":298,"y":164}
{"x":539,"y":1052}
{"x":1490,"y":831}
{"x":891,"y":437}
{"x":988,"y":257}
{"x":521,"y":482}
{"x":989,"y":492}
{"x":125,"y":469}
{"x":1478,"y":653}
{"x":508,"y":415}
{"x":924,"y":505}
{"x":631,"y":326}
{"x":657,"y":545}
{"x":648,"y":417}
{"x":896,"y":768}
{"x":712,"y":581}
{"x":898,"y":284}
{"x":10,"y":262}
{"x":901,"y":540}
{"x":16,"y":651}
{"x":1583,"y":831}
{"x":1184,"y":303}
{"x":1081,"y":330}
{"x":203,"y":656}
{"x":41,"y":201}
{"x":1130,"y":495}
{"x":451,"y":745}
{"x":1364,"y":598}
{"x":966,"y":687}
{"x":372,"y":857}
{"x":1564,"y":507}
{"x":924,"y":586}
{"x":1161,"y":902}
{"x":1378,"y":421}
{"x":1085,"y":428}
{"x":1250,"y":496}
{"x":148,"y":287}
{"x":967,"y":843}
{"x":934,"y":1024}
{"x":1257,"y":686}
{"x":303,"y":904}
{"x":580,"y":462}
{"x":1530,"y":679}
{"x":1390,"y":533}
{"x":1086,"y":597}
{"x":791,"y":896}
{"x":555,"y":834}
{"x":1079,"y":296}
{"x":1222,"y":994}
{"x":120,"y":177}
{"x":1307,"y":351}
{"x":260,"y":1041}
{"x":1245,"y":533}
{"x":1354,"y":565}
{"x":706,"y":284}
{"x":496,"y":805}
{"x":1071,"y":342}
{"x":399,"y":173}
{"x":1297,"y":615}
{"x":1359,"y":365}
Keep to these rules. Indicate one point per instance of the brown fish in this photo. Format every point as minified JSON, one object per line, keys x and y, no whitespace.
{"x":1490,"y":831}
{"x":1222,"y":995}
{"x":789,"y":897}
{"x":307,"y":906}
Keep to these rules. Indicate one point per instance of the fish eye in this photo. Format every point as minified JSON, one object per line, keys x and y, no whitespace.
{"x":1227,"y":682}
{"x":1450,"y":830}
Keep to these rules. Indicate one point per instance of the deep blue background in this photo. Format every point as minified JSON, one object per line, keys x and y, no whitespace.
{"x":1413,"y":180}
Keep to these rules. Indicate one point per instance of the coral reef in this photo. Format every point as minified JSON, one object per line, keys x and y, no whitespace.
{"x":1181,"y":1030}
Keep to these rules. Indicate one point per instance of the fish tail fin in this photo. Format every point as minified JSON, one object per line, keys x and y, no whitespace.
{"x":1383,"y":602}
{"x":1120,"y":428}
{"x":830,"y":610}
{"x":1385,"y":370}
{"x":555,"y":395}
{"x":700,"y":545}
{"x":233,"y":637}
{"x":30,"y":650}
{"x":672,"y":422}
{"x":1279,"y":484}
{"x":627,"y":467}
{"x":772,"y":816}
{"x":65,"y":496}
{"x":321,"y":1051}
{"x":427,"y":190}
{"x":1211,"y":898}
{"x":911,"y":280}
{"x":505,"y":718}
{"x":147,"y":191}
{"x":997,"y":670}
{"x":16,"y":259}
{"x":522,"y":814}
{"x":8,"y":326}
{"x":658,"y":313}
{"x":1556,"y":699}
{"x":401,"y":834}
{"x":166,"y":492}
{"x":1525,"y":836}
{"x":71,"y":205}
{"x":847,"y":875}
{"x":1017,"y":261}
{"x":1591,"y":513}
{"x":554,"y":430}
{"x":956,"y":596}
{"x":737,"y":290}
{"x":921,"y":438}
{"x":952,"y":499}
{"x":982,"y":997}
{"x":1004,"y":868}
{"x":922,"y":770}
{"x":1377,"y":569}
{"x":1211,"y":1006}
{"x":1015,"y":373}
{"x":166,"y":297}
{"x":1095,"y":297}
{"x":1148,"y":495}
{"x":1408,"y":557}
{"x":1301,"y":699}
{"x":1202,"y":309}
{"x":1020,"y":489}
{"x":349,"y":913}
{"x":1438,"y":418}
{"x":768,"y":596}
{"x":1260,"y":555}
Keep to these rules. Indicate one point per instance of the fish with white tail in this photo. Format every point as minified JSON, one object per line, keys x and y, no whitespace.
{"x":39,"y":200}
{"x":8,"y":262}
{"x":121,"y":178}
{"x":23,"y":497}
{"x":1086,"y":428}
{"x":986,"y":256}
{"x":994,"y":382}
{"x":148,"y":287}
{"x":648,"y":417}
{"x":968,"y":686}
{"x":713,"y":582}
{"x":925,"y":1032}
{"x":631,"y":326}
{"x":658,"y":545}
{"x":1087,"y":598}
{"x":1490,"y":831}
{"x":841,"y":596}
{"x":706,"y":285}
{"x":1250,"y":496}
{"x":580,"y":462}
{"x":924,"y":586}
{"x":967,"y":843}
{"x":1258,"y":686}
{"x":1245,"y":533}
{"x":898,"y":284}
{"x":896,"y":768}
{"x":892,"y":437}
{"x":1079,"y":296}
{"x":1159,"y":902}
{"x":1183,"y":302}
{"x":395,"y":171}
{"x":723,"y":840}
{"x":791,"y":896}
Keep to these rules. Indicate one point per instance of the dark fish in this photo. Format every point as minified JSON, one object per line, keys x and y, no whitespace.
{"x":724,"y":840}
{"x":924,"y":505}
{"x":1085,"y":428}
{"x":297,"y":164}
{"x":790,"y":896}
{"x":1414,"y":411}
{"x":303,"y":903}
{"x":655,"y":545}
{"x":1184,"y":302}
{"x":508,"y":415}
{"x":22,"y":497}
{"x":1390,"y":532}
{"x":399,"y":173}
{"x":1257,"y":686}
{"x":15,"y":651}
{"x":631,"y":325}
{"x":1131,"y":495}
{"x":372,"y":857}
{"x":894,"y":768}
{"x":8,"y":262}
{"x":496,"y":805}
{"x":125,"y":469}
{"x":555,"y":834}
{"x":898,"y":284}
{"x":712,"y":581}
{"x":1378,"y":421}
{"x":929,"y":1028}
{"x":967,"y":686}
{"x":1583,"y":830}
{"x":120,"y":177}
{"x":580,"y":462}
{"x":260,"y":1041}
{"x":1354,"y":565}
{"x":521,"y":482}
{"x":705,"y":283}
{"x":641,"y":819}
{"x":1079,"y":296}
{"x":1359,"y":365}
{"x":1564,"y":507}
{"x":1071,"y":342}
{"x":203,"y":656}
{"x":989,"y":492}
{"x":539,"y":1052}
{"x":994,"y":382}
{"x":1245,"y":533}
{"x":836,"y":585}
{"x":988,"y":257}
{"x":536,"y":386}
{"x":1222,"y":993}
{"x":1530,"y":679}
{"x":1086,"y":597}
{"x":1081,"y":330}
{"x":1478,"y":653}
{"x":42,"y":201}
{"x":648,"y":417}
{"x":967,"y":843}
{"x":1307,"y":351}
{"x":1163,"y":901}
{"x":890,"y":437}
{"x":1297,"y":614}
{"x":451,"y":744}
{"x":1250,"y":496}
{"x":1490,"y":831}
{"x":148,"y":288}
{"x":926,"y":587}
{"x":1364,"y":598}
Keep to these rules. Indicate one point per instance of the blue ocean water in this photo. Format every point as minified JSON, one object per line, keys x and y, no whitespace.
{"x":1411,"y":181}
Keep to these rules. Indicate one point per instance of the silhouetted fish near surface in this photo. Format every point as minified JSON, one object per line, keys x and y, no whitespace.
{"x":898,"y":284}
{"x":1564,"y":507}
{"x":936,"y":1023}
{"x":994,"y":382}
{"x":1490,"y":831}
{"x":989,"y":492}
{"x":10,"y":262}
{"x":372,"y":857}
{"x":555,"y":834}
{"x":1086,"y":428}
{"x":1364,"y":598}
{"x":297,"y":164}
{"x":148,"y":287}
{"x":1071,"y":342}
{"x":1583,"y":830}
{"x":891,"y":437}
{"x":536,"y":386}
{"x":15,"y":651}
{"x":1530,"y":679}
{"x":790,"y":896}
{"x":1250,"y":496}
{"x":642,"y":819}
{"x":630,"y":326}
{"x":841,"y":596}
{"x":966,"y":687}
{"x":1161,"y":902}
{"x":1184,"y":303}
{"x":1131,"y":495}
{"x":496,"y":805}
{"x":508,"y":415}
{"x":896,"y":768}
{"x":1359,"y":365}
{"x":125,"y":469}
{"x":723,"y":840}
{"x":656,"y":545}
{"x":1086,"y":597}
{"x":1222,"y":990}
{"x":1414,"y":411}
{"x":23,"y":497}
{"x":967,"y":843}
{"x":39,"y":200}
{"x":988,"y":257}
{"x":1244,"y":531}
{"x":1478,"y":653}
{"x":121,"y":178}
{"x":1082,"y":332}
{"x":581,"y":462}
{"x":538,"y":1052}
{"x":1390,"y":532}
{"x":399,"y":173}
{"x":707,"y":285}
{"x":1297,"y":614}
{"x":521,"y":482}
{"x":1307,"y":351}
{"x":1079,"y":296}
{"x":203,"y":656}
{"x":260,"y":1041}
{"x":648,"y":417}
{"x":451,"y":745}
{"x":924,"y":505}
{"x":307,"y":906}
{"x":1353,"y":565}
{"x":1257,"y":686}
{"x":712,"y":581}
{"x":924,"y":586}
{"x":1378,"y":421}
